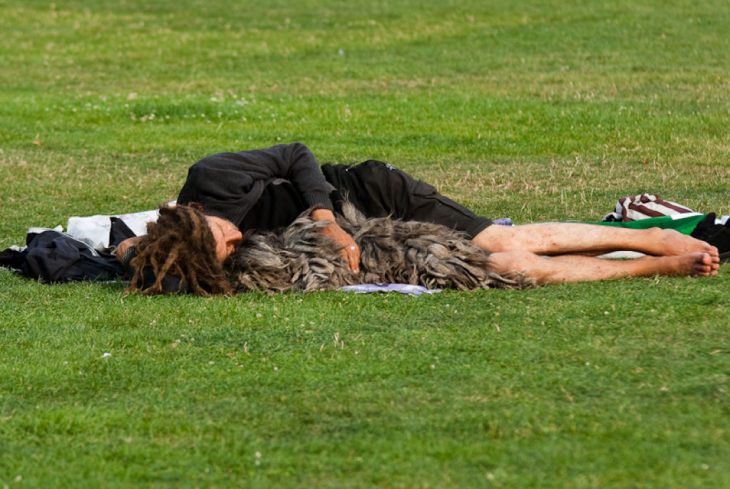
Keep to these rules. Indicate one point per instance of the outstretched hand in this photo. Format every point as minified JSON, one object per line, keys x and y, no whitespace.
{"x":349,"y":250}
{"x":125,"y":245}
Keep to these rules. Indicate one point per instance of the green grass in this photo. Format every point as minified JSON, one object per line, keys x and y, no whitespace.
{"x":534,"y":110}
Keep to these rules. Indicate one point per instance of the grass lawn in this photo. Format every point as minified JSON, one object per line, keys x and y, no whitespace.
{"x":546,"y":110}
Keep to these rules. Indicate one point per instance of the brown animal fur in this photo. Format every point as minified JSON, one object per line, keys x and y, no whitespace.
{"x":392,"y":251}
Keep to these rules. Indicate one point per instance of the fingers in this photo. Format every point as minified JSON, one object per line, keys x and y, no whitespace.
{"x":124,"y":246}
{"x":351,"y":254}
{"x":349,"y":250}
{"x":353,"y":257}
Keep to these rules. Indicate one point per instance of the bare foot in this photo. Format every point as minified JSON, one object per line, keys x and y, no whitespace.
{"x":693,"y":264}
{"x":670,"y":242}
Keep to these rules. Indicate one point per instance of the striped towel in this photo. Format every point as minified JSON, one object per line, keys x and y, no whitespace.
{"x":644,"y":206}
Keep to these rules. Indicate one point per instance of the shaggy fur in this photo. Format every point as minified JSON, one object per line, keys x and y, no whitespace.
{"x":302,"y":258}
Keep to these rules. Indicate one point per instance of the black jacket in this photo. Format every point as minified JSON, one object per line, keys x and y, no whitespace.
{"x":228,"y":185}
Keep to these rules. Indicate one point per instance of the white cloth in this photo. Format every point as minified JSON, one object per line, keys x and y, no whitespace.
{"x":94,"y":230}
{"x":407,"y":289}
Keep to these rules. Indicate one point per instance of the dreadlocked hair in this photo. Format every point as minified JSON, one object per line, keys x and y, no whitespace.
{"x":179,"y":245}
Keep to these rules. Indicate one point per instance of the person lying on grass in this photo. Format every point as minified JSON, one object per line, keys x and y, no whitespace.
{"x":230,"y":197}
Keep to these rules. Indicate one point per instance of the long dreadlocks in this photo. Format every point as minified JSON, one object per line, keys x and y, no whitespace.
{"x":180,"y":246}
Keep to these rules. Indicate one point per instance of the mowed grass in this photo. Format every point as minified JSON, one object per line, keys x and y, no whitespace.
{"x":532,"y":110}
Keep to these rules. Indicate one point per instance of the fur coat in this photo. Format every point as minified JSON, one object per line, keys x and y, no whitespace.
{"x":301,"y":258}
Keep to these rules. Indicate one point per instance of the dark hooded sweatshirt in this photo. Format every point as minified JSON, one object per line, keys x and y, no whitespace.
{"x":275,"y":183}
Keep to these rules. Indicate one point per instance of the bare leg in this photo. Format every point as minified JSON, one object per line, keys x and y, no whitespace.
{"x":571,"y":238}
{"x":576,"y":268}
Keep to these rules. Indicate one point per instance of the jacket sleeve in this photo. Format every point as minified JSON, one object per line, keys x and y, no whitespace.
{"x":229,"y":184}
{"x":302,"y":169}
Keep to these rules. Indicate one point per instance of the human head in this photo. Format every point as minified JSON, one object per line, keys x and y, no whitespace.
{"x":181,"y":248}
